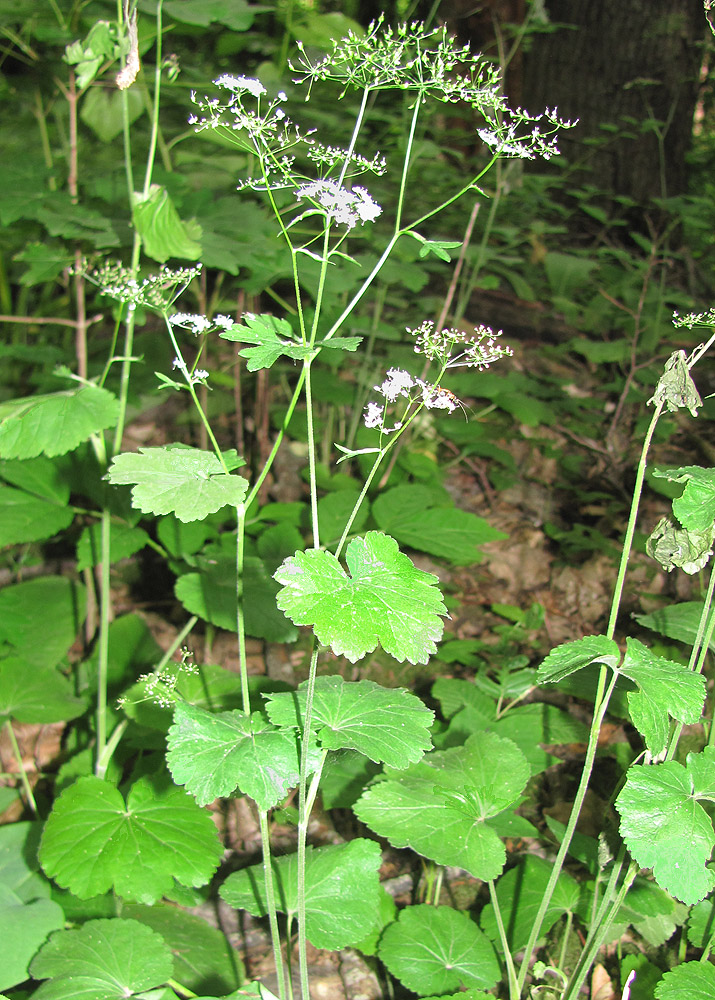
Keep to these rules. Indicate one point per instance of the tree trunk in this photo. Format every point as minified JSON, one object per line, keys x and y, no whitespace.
{"x":629,"y":70}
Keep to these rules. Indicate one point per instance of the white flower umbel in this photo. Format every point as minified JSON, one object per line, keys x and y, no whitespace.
{"x":155,"y":291}
{"x":239,"y":84}
{"x":476,"y":350}
{"x":343,"y":206}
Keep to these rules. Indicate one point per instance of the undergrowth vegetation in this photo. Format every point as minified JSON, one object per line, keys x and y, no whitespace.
{"x":244,"y":412}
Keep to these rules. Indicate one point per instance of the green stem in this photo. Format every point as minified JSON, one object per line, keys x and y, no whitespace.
{"x":589,"y":954}
{"x":514,"y":988}
{"x":240,"y":618}
{"x":105,"y":611}
{"x":600,"y":707}
{"x":303,"y":819}
{"x":23,"y":773}
{"x":271,"y":904}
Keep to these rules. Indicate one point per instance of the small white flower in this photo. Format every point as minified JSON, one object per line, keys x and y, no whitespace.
{"x":225,"y":322}
{"x":344,"y":207}
{"x":398,"y":383}
{"x":236,"y":84}
{"x":194,"y":322}
{"x":200,"y":374}
{"x":373,"y":415}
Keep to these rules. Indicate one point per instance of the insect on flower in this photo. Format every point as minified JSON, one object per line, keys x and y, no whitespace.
{"x":436,"y":397}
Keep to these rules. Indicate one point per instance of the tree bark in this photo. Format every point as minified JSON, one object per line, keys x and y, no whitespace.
{"x":629,"y":70}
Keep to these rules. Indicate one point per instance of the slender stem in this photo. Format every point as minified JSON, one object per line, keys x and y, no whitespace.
{"x":589,"y":954}
{"x":599,"y":712}
{"x":105,"y":611}
{"x":514,"y":988}
{"x":240,"y":618}
{"x":23,"y":773}
{"x":303,"y":820}
{"x":311,"y":456}
{"x":271,"y":904}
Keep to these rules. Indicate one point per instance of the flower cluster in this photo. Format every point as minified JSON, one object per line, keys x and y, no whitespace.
{"x":342,"y":206}
{"x":155,"y":291}
{"x":400,"y":383}
{"x":689,"y":320}
{"x":330,"y":156}
{"x":408,"y":57}
{"x":258,"y":130}
{"x":160,"y":685}
{"x":198,"y":324}
{"x":197,"y":377}
{"x":508,"y":137}
{"x":476,"y":350}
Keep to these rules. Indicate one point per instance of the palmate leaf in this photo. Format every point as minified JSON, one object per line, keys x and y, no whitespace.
{"x":187,"y":482}
{"x":664,"y":826}
{"x":690,"y":981}
{"x":386,"y":600}
{"x":55,"y":424}
{"x":24,"y":927}
{"x":666,"y":690}
{"x":438,"y":948}
{"x":95,"y":841}
{"x":422,"y":519}
{"x":270,"y":337}
{"x":388,"y":726}
{"x":203,"y":958}
{"x":213,"y":754}
{"x":572,"y":656}
{"x":26,"y":518}
{"x":103,"y":960}
{"x":441,"y":807}
{"x":29,"y":693}
{"x":341,"y":891}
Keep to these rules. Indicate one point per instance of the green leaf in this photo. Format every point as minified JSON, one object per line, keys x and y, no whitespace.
{"x":700,"y":923}
{"x":38,"y":476}
{"x":24,"y":927}
{"x":163,"y":233}
{"x":690,"y":981}
{"x":235,"y":14}
{"x":52,"y":606}
{"x":436,"y":948}
{"x":531,"y":726}
{"x":676,"y":388}
{"x":124,"y":541}
{"x":416,"y":518}
{"x":520,"y":892}
{"x":664,"y":826}
{"x":441,"y":806}
{"x":35,"y":694}
{"x":344,"y":778}
{"x":204,"y":961}
{"x":103,"y":960}
{"x":187,"y":482}
{"x":62,"y":217}
{"x":273,"y":337}
{"x":677,"y":621}
{"x":572,"y":656}
{"x":666,"y":690}
{"x":680,"y":548}
{"x":695,"y":509}
{"x":213,"y":754}
{"x":211,"y":594}
{"x":334,"y":509}
{"x":25,"y":518}
{"x":386,"y":725}
{"x":56,"y":423}
{"x":138,"y":847}
{"x":103,"y":110}
{"x":341,"y":891}
{"x":385,"y":600}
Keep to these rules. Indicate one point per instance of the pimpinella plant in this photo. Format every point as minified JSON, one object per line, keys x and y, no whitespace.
{"x":127,"y":836}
